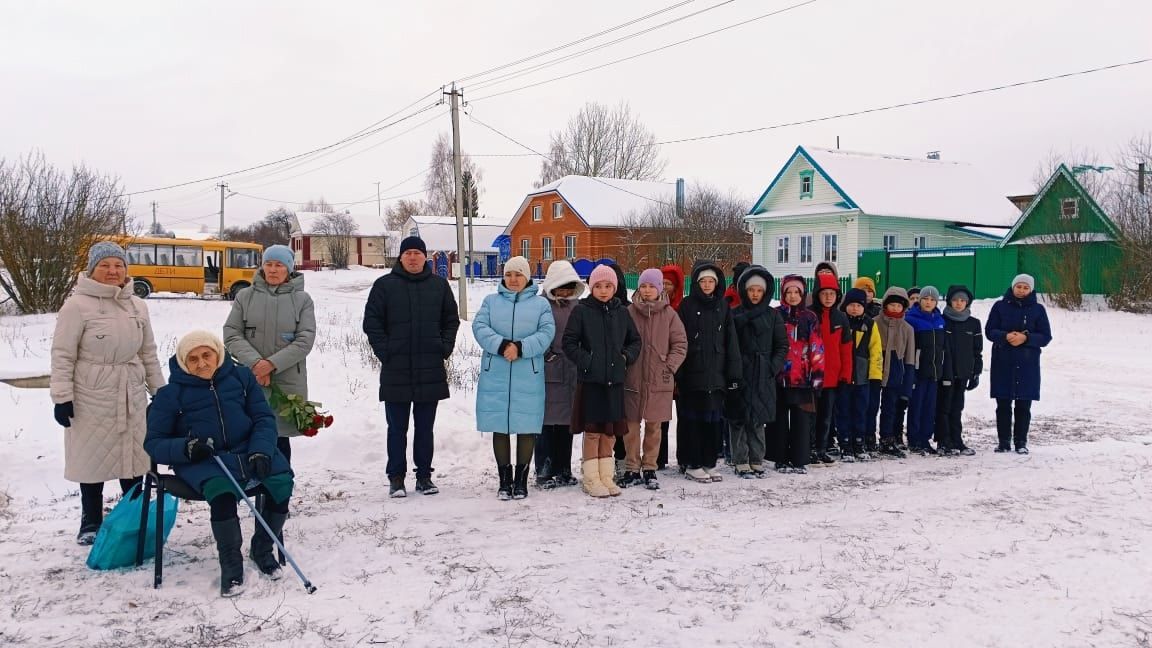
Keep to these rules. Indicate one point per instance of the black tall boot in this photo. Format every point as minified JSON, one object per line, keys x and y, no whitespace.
{"x":91,"y":513}
{"x":505,"y":490}
{"x":261,"y":550}
{"x":1004,"y":425}
{"x":520,"y":483}
{"x":229,"y":545}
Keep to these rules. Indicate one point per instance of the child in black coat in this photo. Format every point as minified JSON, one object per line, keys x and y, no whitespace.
{"x":963,"y":364}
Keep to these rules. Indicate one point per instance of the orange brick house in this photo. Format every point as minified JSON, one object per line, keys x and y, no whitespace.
{"x":578,"y":217}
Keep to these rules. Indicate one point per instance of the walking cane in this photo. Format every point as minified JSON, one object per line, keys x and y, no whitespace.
{"x":308,"y":586}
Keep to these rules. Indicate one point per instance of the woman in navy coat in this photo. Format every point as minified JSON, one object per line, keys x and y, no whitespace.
{"x":1018,"y":329}
{"x":211,"y":408}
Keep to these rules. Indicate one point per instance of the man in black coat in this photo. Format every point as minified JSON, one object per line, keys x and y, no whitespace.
{"x":411,"y":321}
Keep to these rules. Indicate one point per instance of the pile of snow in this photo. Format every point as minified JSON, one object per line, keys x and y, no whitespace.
{"x":995,"y":550}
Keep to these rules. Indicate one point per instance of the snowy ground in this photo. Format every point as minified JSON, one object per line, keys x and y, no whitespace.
{"x":994,"y":550}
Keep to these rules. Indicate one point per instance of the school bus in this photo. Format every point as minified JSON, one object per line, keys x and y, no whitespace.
{"x":188,"y":266}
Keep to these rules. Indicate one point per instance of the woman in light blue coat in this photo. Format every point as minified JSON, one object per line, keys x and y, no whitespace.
{"x":514,"y":328}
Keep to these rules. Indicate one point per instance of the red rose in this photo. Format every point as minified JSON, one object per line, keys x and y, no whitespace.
{"x":328,"y":421}
{"x":310,"y":432}
{"x":317,"y":421}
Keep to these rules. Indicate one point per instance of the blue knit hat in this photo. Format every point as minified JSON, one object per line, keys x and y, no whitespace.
{"x":104,"y":250}
{"x":281,"y":253}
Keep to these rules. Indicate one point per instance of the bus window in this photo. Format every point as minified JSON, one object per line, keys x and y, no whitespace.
{"x":188,"y":256}
{"x":240,"y":258}
{"x":141,"y":254}
{"x":164,"y":255}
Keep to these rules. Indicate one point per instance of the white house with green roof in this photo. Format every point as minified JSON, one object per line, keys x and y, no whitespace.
{"x":827,"y":204}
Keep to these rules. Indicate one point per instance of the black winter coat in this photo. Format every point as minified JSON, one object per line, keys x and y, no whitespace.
{"x":964,"y":352}
{"x":411,"y":322}
{"x":763,"y":348}
{"x":602,"y":340}
{"x":713,"y":363}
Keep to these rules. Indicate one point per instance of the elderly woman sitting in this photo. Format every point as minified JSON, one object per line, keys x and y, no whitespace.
{"x":211,"y":408}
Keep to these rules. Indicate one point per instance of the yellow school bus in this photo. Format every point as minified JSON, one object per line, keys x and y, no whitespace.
{"x":188,"y":266}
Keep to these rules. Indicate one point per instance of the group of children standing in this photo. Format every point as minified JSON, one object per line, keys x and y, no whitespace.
{"x":817,"y":376}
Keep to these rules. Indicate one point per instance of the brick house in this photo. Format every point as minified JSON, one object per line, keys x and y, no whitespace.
{"x":439,"y":236}
{"x":371,"y":246}
{"x":578,"y":217}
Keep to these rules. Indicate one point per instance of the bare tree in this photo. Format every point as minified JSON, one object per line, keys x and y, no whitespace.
{"x":603,"y":142}
{"x":1093,"y":180}
{"x":397,"y":214}
{"x":1131,"y":210}
{"x":337,"y":230}
{"x":48,"y":218}
{"x":711,"y":227}
{"x":319,"y":206}
{"x":274,"y":229}
{"x":440,"y":184}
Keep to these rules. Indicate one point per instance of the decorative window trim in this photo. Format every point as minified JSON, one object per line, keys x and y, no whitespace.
{"x":809,"y":176}
{"x":783,"y":243}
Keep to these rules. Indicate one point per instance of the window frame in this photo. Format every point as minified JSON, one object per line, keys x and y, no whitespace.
{"x":920,"y":242}
{"x":895,"y":241}
{"x":783,"y":245}
{"x":570,"y":246}
{"x":1075,"y":202}
{"x":800,"y":253}
{"x":834,"y":239}
{"x":525,"y":247}
{"x":546,"y":248}
{"x":807,"y":175}
{"x":537,"y":213}
{"x":145,"y":253}
{"x":558,"y":210}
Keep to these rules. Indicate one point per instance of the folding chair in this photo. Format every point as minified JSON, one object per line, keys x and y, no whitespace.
{"x":171,"y":484}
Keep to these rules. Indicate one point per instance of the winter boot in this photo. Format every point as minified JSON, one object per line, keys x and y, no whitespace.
{"x":504,"y":493}
{"x":698,"y":475}
{"x":650,"y":481}
{"x":591,"y":478}
{"x":713,"y":474}
{"x":424,"y":486}
{"x":758,"y":471}
{"x":229,"y":545}
{"x":396,"y":487}
{"x":607,"y":468}
{"x":630,"y":478}
{"x":89,"y":527}
{"x":565,"y":478}
{"x":261,"y":549}
{"x":888,"y":447}
{"x":520,"y":483}
{"x":848,"y":455}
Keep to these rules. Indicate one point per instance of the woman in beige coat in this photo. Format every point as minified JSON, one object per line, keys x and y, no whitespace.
{"x":104,"y":367}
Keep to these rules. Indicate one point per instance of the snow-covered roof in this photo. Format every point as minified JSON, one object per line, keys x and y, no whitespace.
{"x":991,"y":233}
{"x":906,"y":187}
{"x":204,"y":233}
{"x":439,"y":233}
{"x":606,"y":202}
{"x":366,"y":224}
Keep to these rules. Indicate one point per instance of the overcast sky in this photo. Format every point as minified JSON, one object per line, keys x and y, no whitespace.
{"x":165,"y":92}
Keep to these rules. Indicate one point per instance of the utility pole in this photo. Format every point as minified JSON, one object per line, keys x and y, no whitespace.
{"x":223,"y":187}
{"x":469,"y":209}
{"x":379,"y":211}
{"x":153,"y":218}
{"x":462,"y":296}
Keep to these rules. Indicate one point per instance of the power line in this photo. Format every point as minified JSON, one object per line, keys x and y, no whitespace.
{"x":487,"y":83}
{"x":575,"y":42}
{"x":646,"y":52}
{"x":906,"y":104}
{"x":354,"y":202}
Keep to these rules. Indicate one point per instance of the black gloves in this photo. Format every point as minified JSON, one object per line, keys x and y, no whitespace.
{"x":261,"y":465}
{"x":973,"y":383}
{"x":63,"y":412}
{"x":199,"y":449}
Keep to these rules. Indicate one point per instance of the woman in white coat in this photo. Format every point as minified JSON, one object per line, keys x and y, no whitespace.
{"x":104,"y":367}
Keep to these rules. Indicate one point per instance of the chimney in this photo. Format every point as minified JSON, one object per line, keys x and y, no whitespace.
{"x":679,"y":197}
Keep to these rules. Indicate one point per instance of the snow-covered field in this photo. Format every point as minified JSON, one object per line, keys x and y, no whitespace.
{"x":993,"y":550}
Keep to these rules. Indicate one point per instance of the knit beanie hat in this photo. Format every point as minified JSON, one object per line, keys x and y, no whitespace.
{"x":413,"y":243}
{"x":518,"y":264}
{"x":198,"y":339}
{"x":856,"y":296}
{"x":281,"y":253}
{"x":958,"y":290}
{"x":865,"y":282}
{"x":603,"y":273}
{"x":755,"y":280}
{"x":896,"y":294}
{"x":913,"y":292}
{"x":104,"y":250}
{"x":930,"y":292}
{"x":707,"y":272}
{"x":1018,"y":279}
{"x":652,"y":277}
{"x":827,"y":282}
{"x":793,"y":280}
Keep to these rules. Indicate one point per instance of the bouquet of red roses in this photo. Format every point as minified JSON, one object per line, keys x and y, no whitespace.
{"x":304,"y":414}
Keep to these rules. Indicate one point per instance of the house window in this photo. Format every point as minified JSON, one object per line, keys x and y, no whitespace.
{"x":781,"y":249}
{"x":1069,"y":209}
{"x":805,"y":184}
{"x":830,"y":245}
{"x":806,"y":248}
{"x":525,"y":246}
{"x":537,"y":212}
{"x":889,"y":241}
{"x":547,"y":256}
{"x":557,"y":210}
{"x":570,"y":246}
{"x":920,"y":241}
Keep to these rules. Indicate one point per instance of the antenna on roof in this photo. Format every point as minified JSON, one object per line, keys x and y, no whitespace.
{"x":933,"y":155}
{"x":837,"y":142}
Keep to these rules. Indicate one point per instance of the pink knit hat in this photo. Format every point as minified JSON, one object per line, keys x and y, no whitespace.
{"x":605,"y":273}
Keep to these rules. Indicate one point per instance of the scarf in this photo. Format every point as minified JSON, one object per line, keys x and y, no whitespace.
{"x":957,"y":316}
{"x":889,"y":315}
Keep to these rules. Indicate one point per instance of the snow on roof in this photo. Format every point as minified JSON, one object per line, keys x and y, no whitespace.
{"x":202,"y":234}
{"x":606,"y":202}
{"x":366,"y":224}
{"x":439,"y":233}
{"x":891,"y":185}
{"x":988,"y":232}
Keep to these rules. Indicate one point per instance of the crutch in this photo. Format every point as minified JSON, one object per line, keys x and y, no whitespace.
{"x":308,"y":586}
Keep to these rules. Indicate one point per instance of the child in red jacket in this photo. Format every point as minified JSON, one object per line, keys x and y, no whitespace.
{"x":837,"y":337}
{"x":799,"y":382}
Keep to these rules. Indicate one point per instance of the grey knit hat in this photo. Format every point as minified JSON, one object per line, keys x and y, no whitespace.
{"x":930,"y":292}
{"x":104,"y":250}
